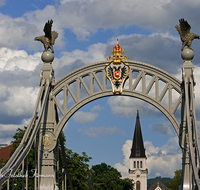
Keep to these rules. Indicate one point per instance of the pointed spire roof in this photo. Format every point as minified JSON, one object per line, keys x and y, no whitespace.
{"x":137,"y":150}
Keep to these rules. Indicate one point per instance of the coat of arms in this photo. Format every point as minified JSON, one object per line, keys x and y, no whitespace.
{"x":117,"y":69}
{"x":46,"y":140}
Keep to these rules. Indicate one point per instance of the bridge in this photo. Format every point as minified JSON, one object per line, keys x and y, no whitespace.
{"x":46,"y":123}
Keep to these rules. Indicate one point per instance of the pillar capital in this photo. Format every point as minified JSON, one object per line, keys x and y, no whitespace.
{"x":187,"y":68}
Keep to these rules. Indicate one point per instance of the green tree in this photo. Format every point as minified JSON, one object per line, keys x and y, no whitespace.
{"x":77,"y":165}
{"x":107,"y":177}
{"x":78,"y":168}
{"x":18,"y":180}
{"x":176,"y":181}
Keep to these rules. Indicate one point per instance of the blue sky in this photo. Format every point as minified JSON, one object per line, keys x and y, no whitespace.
{"x":88,"y":29}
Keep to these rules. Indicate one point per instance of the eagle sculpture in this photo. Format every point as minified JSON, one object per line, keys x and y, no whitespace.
{"x":185,"y":34}
{"x":49,"y":38}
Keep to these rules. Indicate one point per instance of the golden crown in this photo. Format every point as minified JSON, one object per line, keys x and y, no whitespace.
{"x":117,"y":56}
{"x":117,"y":50}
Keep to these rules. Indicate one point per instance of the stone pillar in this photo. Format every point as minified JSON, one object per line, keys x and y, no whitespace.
{"x":187,"y":71}
{"x":47,"y":141}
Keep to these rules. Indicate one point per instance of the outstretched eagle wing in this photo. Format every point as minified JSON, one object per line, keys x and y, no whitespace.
{"x":184,"y":26}
{"x":123,"y":75}
{"x":47,"y":29}
{"x":110,"y":72}
{"x":54,"y":35}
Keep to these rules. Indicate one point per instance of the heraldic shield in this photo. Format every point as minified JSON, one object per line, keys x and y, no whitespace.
{"x":117,"y":70}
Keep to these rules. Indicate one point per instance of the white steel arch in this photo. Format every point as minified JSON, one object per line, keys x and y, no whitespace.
{"x":91,"y":71}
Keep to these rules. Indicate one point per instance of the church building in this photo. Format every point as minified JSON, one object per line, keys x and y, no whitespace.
{"x":138,"y":170}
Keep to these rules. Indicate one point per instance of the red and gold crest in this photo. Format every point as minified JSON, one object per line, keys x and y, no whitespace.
{"x":117,"y":69}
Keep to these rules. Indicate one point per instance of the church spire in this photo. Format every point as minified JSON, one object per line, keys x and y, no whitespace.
{"x":137,"y":150}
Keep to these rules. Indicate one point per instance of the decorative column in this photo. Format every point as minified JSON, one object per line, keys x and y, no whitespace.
{"x":188,"y":136}
{"x":187,"y":72}
{"x":47,"y":140}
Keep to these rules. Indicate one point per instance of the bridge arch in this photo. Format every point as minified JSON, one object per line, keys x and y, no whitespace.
{"x":91,"y":71}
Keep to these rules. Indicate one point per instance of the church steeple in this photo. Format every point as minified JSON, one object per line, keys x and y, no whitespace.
{"x":137,"y":150}
{"x":138,"y":170}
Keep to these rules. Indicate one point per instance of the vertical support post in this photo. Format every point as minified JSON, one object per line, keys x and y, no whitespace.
{"x":183,"y":141}
{"x":156,"y":88}
{"x":47,"y":162}
{"x":65,"y":94}
{"x":58,"y":164}
{"x":130,"y":78}
{"x":170,"y":97}
{"x":23,"y":174}
{"x":65,"y":161}
{"x":143,"y":82}
{"x":27,"y":172}
{"x":104,"y":79}
{"x":187,"y":127}
{"x":8,"y":185}
{"x":63,"y":184}
{"x":12,"y":183}
{"x":91,"y":83}
{"x":66,"y":187}
{"x":78,"y":92}
{"x":38,"y":171}
{"x":46,"y":141}
{"x":35,"y":164}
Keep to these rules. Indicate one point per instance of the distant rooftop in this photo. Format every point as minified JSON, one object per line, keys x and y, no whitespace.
{"x":5,"y":151}
{"x":158,"y":185}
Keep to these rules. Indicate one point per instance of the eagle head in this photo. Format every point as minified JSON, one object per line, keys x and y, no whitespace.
{"x":37,"y":39}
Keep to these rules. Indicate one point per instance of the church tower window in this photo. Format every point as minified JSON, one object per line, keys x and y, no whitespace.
{"x":134,"y":164}
{"x":140,"y":164}
{"x":137,"y":164}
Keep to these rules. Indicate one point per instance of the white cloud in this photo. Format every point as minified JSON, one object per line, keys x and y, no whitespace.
{"x":5,"y":140}
{"x":96,"y":131}
{"x":85,"y":117}
{"x":166,"y":160}
{"x":80,"y":1}
{"x":18,"y":59}
{"x":86,"y":17}
{"x":2,"y":2}
{"x":19,"y":84}
{"x":70,"y":61}
{"x":97,"y":108}
{"x":21,"y":100}
{"x":125,"y":166}
{"x":163,"y":128}
{"x":15,"y":32}
{"x":163,"y":160}
{"x":127,"y":106}
{"x":8,"y":130}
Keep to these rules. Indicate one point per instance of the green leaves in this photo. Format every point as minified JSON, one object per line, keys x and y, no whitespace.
{"x":107,"y":177}
{"x":176,"y":182}
{"x":78,"y":168}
